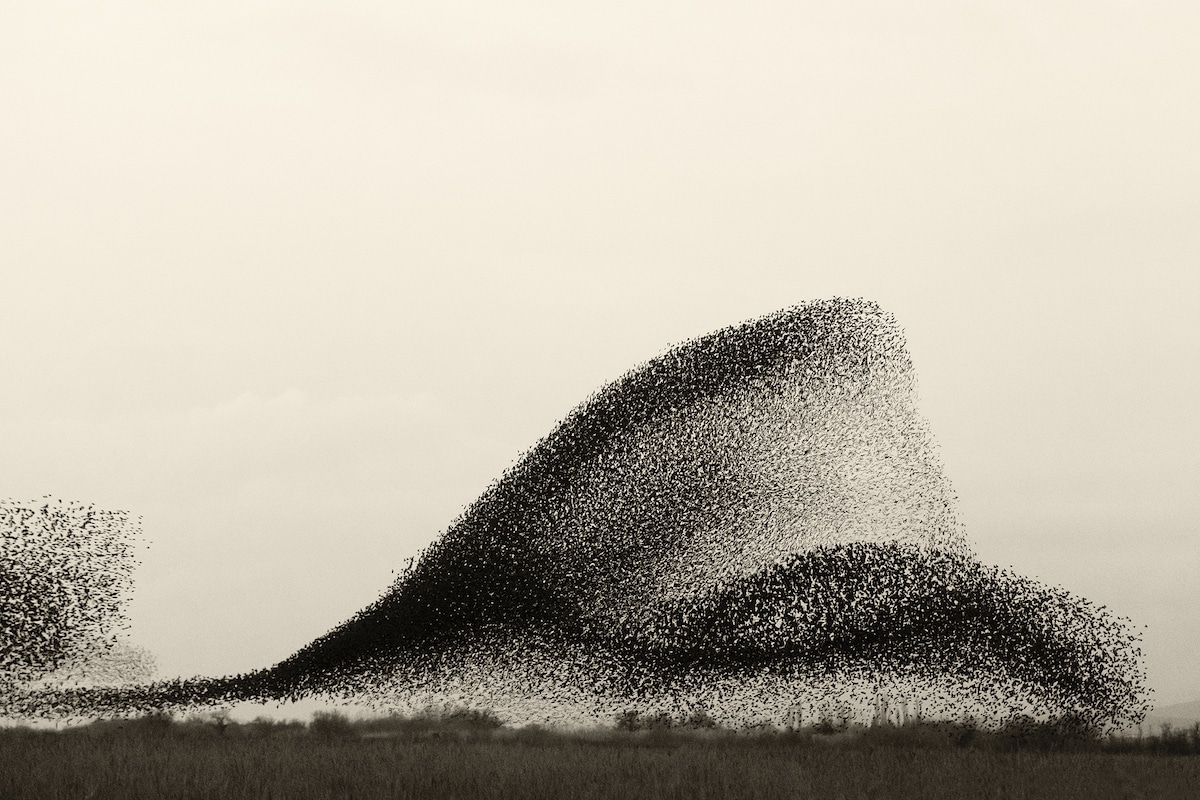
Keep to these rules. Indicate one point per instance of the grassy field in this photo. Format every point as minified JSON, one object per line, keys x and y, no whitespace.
{"x":331,"y":759}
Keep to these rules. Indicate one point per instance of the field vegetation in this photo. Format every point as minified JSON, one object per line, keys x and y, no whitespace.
{"x":468,"y":754}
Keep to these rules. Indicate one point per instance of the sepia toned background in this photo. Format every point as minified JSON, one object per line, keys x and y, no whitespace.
{"x":295,"y":281}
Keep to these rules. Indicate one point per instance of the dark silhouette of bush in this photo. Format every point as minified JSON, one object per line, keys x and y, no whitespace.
{"x":1174,"y":741}
{"x":432,"y":723}
{"x":827,"y":726}
{"x":331,"y":725}
{"x":633,"y":720}
{"x":1066,"y":733}
{"x":152,"y":725}
{"x":699,"y":719}
{"x":473,"y":719}
{"x":628,"y":720}
{"x":263,"y":727}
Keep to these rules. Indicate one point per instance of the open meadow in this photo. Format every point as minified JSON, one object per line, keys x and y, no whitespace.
{"x":334,"y":758}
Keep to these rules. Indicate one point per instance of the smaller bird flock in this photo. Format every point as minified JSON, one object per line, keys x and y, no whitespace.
{"x":65,"y":575}
{"x":752,"y":523}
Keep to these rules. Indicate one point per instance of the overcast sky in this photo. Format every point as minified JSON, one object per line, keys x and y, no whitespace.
{"x":295,"y":280}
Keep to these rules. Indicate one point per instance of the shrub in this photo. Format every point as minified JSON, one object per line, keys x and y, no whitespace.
{"x":628,"y":720}
{"x":827,"y":726}
{"x":331,"y":725}
{"x":633,"y":720}
{"x":699,"y":719}
{"x":472,"y":719}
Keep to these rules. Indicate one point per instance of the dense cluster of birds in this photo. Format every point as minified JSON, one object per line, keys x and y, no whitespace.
{"x":66,"y":572}
{"x":752,"y":522}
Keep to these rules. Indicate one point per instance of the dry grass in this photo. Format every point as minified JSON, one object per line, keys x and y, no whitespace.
{"x":158,"y":759}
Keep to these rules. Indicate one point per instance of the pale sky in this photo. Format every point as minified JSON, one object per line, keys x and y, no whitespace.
{"x":294,"y":281}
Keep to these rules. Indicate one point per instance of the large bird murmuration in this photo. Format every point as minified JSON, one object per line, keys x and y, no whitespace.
{"x":754,"y":521}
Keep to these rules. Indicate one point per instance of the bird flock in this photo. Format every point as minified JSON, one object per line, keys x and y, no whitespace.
{"x":66,"y":571}
{"x":754,"y":522}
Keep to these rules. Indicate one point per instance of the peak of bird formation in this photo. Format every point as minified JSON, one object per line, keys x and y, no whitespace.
{"x":755,"y":521}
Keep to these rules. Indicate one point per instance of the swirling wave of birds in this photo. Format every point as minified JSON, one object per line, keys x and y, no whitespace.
{"x":755,"y":522}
